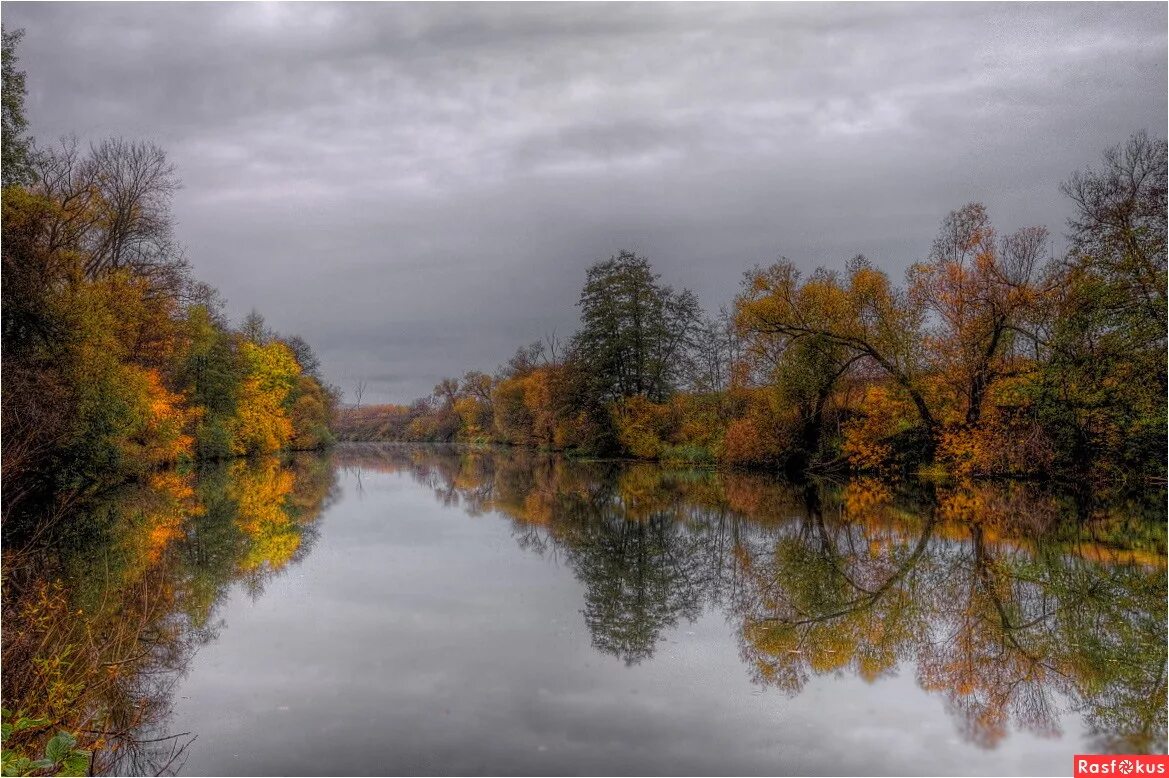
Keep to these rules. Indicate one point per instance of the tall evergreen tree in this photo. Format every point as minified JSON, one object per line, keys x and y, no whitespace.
{"x":636,"y":333}
{"x":17,"y":146}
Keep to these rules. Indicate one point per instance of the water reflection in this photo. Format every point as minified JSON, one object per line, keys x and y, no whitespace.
{"x":98,"y":631}
{"x":1006,"y":599}
{"x":1021,"y":608}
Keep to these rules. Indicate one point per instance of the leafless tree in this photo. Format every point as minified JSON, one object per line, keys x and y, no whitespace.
{"x":1119,"y":227}
{"x":716,"y":350}
{"x":308,"y":361}
{"x":554,"y":348}
{"x":113,"y":204}
{"x":136,"y":182}
{"x":477,"y":384}
{"x":525,"y":360}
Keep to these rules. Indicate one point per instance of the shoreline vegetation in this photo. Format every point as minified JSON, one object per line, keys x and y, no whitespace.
{"x":121,"y":375}
{"x":118,"y":363}
{"x":994,"y":358}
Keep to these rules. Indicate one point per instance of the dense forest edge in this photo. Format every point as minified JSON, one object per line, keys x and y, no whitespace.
{"x":994,"y":358}
{"x":121,"y":376}
{"x":117,"y":361}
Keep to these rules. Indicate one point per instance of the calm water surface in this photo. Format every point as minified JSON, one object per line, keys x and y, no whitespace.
{"x":417,"y":610}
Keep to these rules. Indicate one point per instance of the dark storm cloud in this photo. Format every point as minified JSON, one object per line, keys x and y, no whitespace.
{"x":417,"y":189}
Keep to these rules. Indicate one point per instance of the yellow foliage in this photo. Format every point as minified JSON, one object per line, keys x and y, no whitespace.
{"x":513,"y":423}
{"x":262,"y":492}
{"x":641,"y":426}
{"x":262,"y":423}
{"x":523,"y":410}
{"x":310,"y":415}
{"x":883,"y":413}
{"x":576,"y":431}
{"x":474,"y":417}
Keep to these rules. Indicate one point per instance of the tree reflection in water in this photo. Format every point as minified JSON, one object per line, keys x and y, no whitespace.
{"x":1014,"y":603}
{"x":99,"y":629}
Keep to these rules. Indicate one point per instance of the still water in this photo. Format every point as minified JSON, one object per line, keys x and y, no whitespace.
{"x":394,"y":609}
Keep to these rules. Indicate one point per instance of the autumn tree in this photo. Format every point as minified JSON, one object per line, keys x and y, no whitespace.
{"x":117,"y":362}
{"x":857,"y":317}
{"x":979,"y":291}
{"x":477,"y":385}
{"x":474,"y":404}
{"x":807,"y":378}
{"x":270,"y":375}
{"x":991,"y":359}
{"x":89,"y":354}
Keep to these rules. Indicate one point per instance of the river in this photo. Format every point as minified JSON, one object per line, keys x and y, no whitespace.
{"x":414,"y":609}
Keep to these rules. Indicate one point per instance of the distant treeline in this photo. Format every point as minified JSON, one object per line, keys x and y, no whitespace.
{"x":116,"y":361}
{"x":995,"y":357}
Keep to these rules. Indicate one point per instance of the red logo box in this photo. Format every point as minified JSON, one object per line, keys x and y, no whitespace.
{"x":1120,"y":765}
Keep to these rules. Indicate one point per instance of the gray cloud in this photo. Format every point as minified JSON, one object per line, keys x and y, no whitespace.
{"x":417,"y":189}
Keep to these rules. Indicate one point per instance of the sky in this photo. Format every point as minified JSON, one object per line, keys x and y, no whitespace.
{"x":417,"y":189}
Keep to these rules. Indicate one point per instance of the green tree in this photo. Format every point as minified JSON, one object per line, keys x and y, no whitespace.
{"x":17,"y":147}
{"x":1101,"y":392}
{"x":212,"y":375}
{"x":636,"y":333}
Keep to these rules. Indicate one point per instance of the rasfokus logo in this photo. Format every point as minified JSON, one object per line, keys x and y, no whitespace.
{"x":1120,"y":764}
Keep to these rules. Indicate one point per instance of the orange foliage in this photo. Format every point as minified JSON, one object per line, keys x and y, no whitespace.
{"x":758,"y":437}
{"x":1003,"y":443}
{"x":883,"y":412}
{"x":538,"y":402}
{"x":165,"y":525}
{"x":164,"y":436}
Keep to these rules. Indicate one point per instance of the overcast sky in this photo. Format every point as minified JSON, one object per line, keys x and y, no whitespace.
{"x":417,"y":189}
